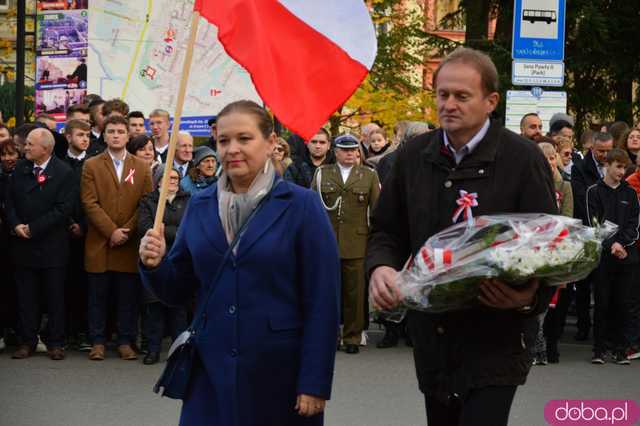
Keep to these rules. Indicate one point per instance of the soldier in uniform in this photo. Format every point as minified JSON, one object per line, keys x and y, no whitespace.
{"x":348,"y":192}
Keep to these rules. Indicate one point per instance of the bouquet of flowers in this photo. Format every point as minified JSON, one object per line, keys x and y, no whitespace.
{"x":445,"y":274}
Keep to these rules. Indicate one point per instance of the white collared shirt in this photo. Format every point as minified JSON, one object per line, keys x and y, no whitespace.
{"x":42,"y":166}
{"x":79,"y":157}
{"x":344,"y":172}
{"x":469,"y":146}
{"x":118,"y":164}
{"x":161,"y":150}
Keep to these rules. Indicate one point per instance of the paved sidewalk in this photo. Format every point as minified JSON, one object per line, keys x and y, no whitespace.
{"x":375,"y":388}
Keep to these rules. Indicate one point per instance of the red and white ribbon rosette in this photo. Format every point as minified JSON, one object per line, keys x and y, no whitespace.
{"x":465,"y":203}
{"x":129,"y":177}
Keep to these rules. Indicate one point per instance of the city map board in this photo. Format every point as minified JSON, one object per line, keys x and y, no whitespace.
{"x":136,"y":53}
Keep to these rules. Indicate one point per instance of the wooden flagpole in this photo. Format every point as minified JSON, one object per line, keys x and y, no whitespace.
{"x":177,"y":117}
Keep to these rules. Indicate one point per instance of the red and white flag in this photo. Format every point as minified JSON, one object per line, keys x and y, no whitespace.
{"x":305,"y":57}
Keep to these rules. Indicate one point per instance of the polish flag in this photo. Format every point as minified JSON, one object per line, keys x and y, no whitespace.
{"x":306,"y":57}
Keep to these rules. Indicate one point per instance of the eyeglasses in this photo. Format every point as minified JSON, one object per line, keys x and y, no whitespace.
{"x":566,"y":154}
{"x":174,"y":178}
{"x":278,"y":149}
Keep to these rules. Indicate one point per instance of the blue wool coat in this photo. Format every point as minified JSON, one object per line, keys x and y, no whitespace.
{"x":272,"y":322}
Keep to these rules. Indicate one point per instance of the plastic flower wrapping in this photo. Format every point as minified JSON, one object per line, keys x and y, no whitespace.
{"x":445,"y":274}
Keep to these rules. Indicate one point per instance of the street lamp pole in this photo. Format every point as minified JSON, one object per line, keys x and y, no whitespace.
{"x":20,"y":62}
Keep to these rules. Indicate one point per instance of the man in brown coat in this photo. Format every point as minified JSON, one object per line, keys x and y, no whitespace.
{"x":111,"y":187}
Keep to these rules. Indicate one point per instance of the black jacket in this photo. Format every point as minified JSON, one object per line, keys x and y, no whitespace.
{"x":584,"y":173}
{"x":620,"y":206}
{"x":4,"y":226}
{"x":302,"y":170}
{"x":77,"y":213}
{"x":46,"y":209}
{"x":457,"y":351}
{"x":96,"y":146}
{"x":385,"y":164}
{"x":172,"y":214}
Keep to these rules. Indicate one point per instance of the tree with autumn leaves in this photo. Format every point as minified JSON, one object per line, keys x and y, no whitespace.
{"x":393,"y":91}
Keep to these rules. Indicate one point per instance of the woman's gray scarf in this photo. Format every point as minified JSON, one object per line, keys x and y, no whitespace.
{"x":234,"y":209}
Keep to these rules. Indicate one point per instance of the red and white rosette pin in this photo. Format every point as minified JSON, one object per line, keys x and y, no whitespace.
{"x":42,"y":178}
{"x":129,"y":177}
{"x":465,"y":203}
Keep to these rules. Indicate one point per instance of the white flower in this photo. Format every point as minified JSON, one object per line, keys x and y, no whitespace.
{"x":525,"y":261}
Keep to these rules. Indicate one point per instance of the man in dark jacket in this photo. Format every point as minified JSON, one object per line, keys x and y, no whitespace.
{"x":39,"y":201}
{"x":318,"y":153}
{"x":469,"y":363}
{"x":77,"y":133}
{"x":584,"y":174}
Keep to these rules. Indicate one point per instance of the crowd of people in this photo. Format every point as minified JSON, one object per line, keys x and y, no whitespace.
{"x":75,"y":204}
{"x":599,"y":182}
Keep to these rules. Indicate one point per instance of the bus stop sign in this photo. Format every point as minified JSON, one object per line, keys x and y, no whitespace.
{"x":538,"y":30}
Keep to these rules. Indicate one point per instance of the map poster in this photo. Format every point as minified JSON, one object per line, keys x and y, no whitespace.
{"x":136,"y":53}
{"x":62,"y":4}
{"x":63,"y":33}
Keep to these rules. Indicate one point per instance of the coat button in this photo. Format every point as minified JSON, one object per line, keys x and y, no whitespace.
{"x":232,"y":309}
{"x":440,"y":330}
{"x":234,"y":352}
{"x":448,"y":184}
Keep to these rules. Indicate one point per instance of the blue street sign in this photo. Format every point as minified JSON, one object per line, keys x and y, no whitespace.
{"x":538,"y":30}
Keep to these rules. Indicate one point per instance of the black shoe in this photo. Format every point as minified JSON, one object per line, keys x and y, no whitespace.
{"x":581,"y":335}
{"x":389,"y":340}
{"x":351,"y":349}
{"x":621,"y":358}
{"x":598,"y":358}
{"x":83,"y":343}
{"x":408,"y":341}
{"x":151,"y":358}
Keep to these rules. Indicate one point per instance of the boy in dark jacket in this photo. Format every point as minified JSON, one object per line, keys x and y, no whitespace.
{"x":78,"y":135}
{"x":612,"y":199}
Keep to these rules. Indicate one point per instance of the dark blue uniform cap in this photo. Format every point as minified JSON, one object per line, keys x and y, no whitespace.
{"x":347,"y":142}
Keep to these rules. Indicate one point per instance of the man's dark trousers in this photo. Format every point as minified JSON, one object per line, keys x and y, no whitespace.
{"x":30,"y":284}
{"x":481,"y":407}
{"x":155,"y":314}
{"x":76,"y":291}
{"x":583,"y":304}
{"x":127,"y":291}
{"x":611,"y":293}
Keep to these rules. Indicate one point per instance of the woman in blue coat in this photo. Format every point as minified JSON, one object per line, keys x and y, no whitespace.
{"x":267,"y":348}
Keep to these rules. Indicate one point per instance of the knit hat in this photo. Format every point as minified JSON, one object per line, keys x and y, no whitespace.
{"x":202,"y":152}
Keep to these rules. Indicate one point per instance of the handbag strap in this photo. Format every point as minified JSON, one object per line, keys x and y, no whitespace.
{"x":198,"y":314}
